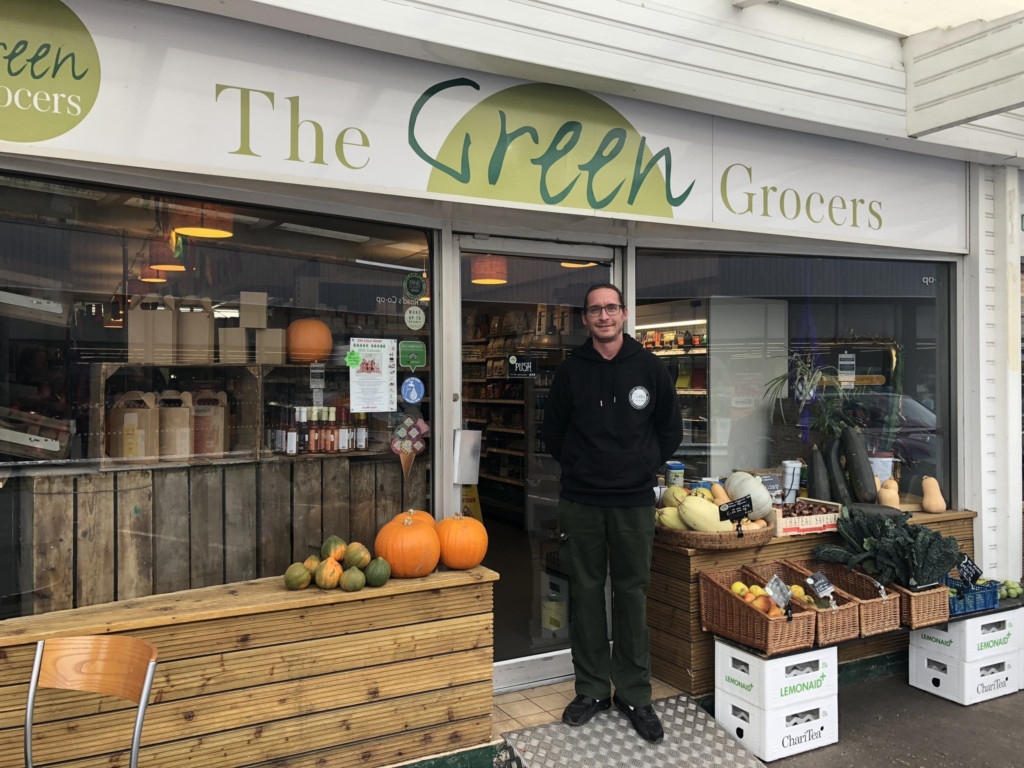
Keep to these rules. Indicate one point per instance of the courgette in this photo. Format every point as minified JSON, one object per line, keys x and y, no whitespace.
{"x":817,"y":477}
{"x":883,"y":510}
{"x":858,"y":468}
{"x":837,"y":484}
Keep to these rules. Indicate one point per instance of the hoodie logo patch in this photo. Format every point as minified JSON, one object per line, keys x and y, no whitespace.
{"x":639,"y":397}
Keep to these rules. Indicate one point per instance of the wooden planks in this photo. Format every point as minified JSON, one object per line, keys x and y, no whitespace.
{"x":251,"y":674}
{"x":682,"y":654}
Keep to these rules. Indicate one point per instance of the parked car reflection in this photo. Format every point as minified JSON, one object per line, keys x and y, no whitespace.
{"x":917,"y":441}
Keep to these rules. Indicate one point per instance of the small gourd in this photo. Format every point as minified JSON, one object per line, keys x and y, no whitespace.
{"x":377,"y":572}
{"x":328,"y":573}
{"x":699,"y":514}
{"x":718,"y":494}
{"x":356,"y":556}
{"x":297,"y":576}
{"x":333,"y":547}
{"x":889,"y":493}
{"x":740,"y":484}
{"x":932,"y":500}
{"x":352,"y":580}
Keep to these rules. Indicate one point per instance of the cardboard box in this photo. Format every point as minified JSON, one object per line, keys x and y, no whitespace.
{"x":152,"y":329}
{"x":234,"y":345}
{"x":974,"y":638}
{"x":32,"y":436}
{"x":965,"y":682}
{"x":133,"y":428}
{"x":195,"y":331}
{"x":786,"y":730}
{"x":778,"y":681}
{"x":271,"y":345}
{"x":175,"y":425}
{"x":252,"y":309}
{"x":209,"y":424}
{"x":814,"y":523}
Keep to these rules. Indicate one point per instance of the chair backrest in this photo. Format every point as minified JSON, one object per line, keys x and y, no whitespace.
{"x":114,"y":665}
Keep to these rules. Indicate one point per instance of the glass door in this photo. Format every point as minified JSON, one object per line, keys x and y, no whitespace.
{"x":520,"y":318}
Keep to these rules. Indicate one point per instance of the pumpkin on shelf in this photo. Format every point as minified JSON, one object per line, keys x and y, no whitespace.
{"x":297,"y":576}
{"x":416,"y":515}
{"x":309,"y":340}
{"x":410,"y":546}
{"x":463,"y":541}
{"x":333,"y":547}
{"x":328,"y":573}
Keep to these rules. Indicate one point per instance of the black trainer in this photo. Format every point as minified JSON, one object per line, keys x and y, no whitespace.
{"x":644,"y":719}
{"x":582,"y":708}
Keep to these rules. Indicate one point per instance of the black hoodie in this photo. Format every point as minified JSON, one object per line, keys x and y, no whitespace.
{"x":611,"y":424}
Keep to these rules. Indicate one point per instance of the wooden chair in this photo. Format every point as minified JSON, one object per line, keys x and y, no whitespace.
{"x":114,"y":665}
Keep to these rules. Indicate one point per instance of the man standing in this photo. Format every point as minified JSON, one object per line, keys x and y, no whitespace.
{"x":611,"y":420}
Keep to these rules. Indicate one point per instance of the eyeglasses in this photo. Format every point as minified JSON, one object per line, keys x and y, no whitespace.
{"x":611,"y":309}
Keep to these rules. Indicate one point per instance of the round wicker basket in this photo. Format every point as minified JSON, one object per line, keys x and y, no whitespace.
{"x":712,"y":540}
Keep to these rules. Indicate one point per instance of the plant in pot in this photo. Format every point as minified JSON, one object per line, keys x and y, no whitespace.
{"x":808,"y":395}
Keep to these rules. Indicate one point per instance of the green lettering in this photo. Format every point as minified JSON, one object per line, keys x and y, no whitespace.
{"x":724,"y":189}
{"x":501,"y":146}
{"x":566,"y":137}
{"x":342,"y":141}
{"x":640,"y":175}
{"x":611,"y":145}
{"x":296,"y":124}
{"x":462,"y":175}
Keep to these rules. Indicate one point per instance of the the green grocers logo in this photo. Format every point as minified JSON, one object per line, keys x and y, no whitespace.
{"x":550,"y":145}
{"x":49,"y":70}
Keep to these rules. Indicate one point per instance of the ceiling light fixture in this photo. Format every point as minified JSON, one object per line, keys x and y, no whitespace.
{"x":489,"y":270}
{"x":578,"y":264}
{"x":165,"y":258}
{"x":672,"y":324}
{"x":151,"y":275}
{"x":382,"y":265}
{"x":207,"y":220}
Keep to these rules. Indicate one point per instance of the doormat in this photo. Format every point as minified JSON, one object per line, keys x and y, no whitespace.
{"x":692,"y":740}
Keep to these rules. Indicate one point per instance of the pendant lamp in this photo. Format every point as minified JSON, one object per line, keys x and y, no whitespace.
{"x":489,"y":270}
{"x":578,"y":264}
{"x":205,"y":220}
{"x":151,"y":275}
{"x":164,"y":258}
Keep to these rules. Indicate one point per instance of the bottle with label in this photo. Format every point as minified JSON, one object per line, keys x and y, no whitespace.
{"x":280,"y":428}
{"x":315,"y":431}
{"x":332,"y":430}
{"x":302,"y":427}
{"x":291,"y":445}
{"x":362,"y":432}
{"x":345,"y":436}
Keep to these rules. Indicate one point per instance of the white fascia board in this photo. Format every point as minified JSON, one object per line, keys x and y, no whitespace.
{"x":768,"y":64}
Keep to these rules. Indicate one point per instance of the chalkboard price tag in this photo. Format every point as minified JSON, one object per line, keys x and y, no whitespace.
{"x":969,"y":570}
{"x":736,"y":509}
{"x":819,"y":584}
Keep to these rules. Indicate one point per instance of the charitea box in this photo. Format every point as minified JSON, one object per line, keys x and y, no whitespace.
{"x":781,"y":731}
{"x":965,"y":682}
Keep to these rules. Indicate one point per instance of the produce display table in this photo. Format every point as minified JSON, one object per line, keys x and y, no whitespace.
{"x":683,"y":655}
{"x":252,"y":674}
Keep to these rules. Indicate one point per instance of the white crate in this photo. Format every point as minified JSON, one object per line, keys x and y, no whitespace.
{"x":972,"y":638}
{"x":965,"y":682}
{"x":766,"y":683}
{"x":800,"y":726}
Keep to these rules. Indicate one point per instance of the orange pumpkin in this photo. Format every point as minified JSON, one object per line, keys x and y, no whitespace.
{"x":328,"y":573}
{"x":411,"y":547}
{"x":309,"y":341}
{"x":463,"y":542}
{"x":416,"y":515}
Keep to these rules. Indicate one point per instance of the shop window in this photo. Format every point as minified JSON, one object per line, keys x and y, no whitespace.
{"x":877,"y":330}
{"x":181,"y":407}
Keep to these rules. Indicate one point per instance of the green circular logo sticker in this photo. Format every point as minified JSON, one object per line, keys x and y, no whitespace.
{"x":49,"y":70}
{"x":353,"y":359}
{"x":414,"y":286}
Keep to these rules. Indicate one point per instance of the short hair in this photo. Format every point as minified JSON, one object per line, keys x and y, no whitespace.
{"x":598,"y":287}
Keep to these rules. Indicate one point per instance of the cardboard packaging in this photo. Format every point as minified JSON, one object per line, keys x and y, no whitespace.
{"x":234,"y":345}
{"x":32,"y":436}
{"x":133,"y":428}
{"x":209,"y":424}
{"x":152,"y":329}
{"x":175,"y":425}
{"x":780,"y":732}
{"x":965,"y":682}
{"x":252,"y":309}
{"x":195,"y":330}
{"x":271,"y":346}
{"x":779,"y":681}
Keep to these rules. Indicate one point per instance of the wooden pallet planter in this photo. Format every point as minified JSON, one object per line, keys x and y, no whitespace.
{"x":250,"y":674}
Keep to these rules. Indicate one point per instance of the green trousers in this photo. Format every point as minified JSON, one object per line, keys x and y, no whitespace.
{"x":593,"y":543}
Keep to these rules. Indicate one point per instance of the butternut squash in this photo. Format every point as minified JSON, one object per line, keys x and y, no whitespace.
{"x":889,"y":493}
{"x":718,"y":494}
{"x":932,"y":500}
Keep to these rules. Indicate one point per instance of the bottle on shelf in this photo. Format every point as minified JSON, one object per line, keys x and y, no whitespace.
{"x":280,"y":428}
{"x":362,"y":432}
{"x":292,"y":433}
{"x":332,"y":429}
{"x":346,"y":439}
{"x":303,"y":428}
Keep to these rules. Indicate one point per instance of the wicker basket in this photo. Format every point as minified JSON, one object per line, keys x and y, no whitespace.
{"x":712,"y":540}
{"x":833,"y":625}
{"x":725,"y":614}
{"x":878,"y":613}
{"x":923,"y":609}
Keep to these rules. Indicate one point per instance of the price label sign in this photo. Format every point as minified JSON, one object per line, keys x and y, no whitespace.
{"x":968,"y":570}
{"x":316,"y":376}
{"x":735,"y":510}
{"x":819,"y":584}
